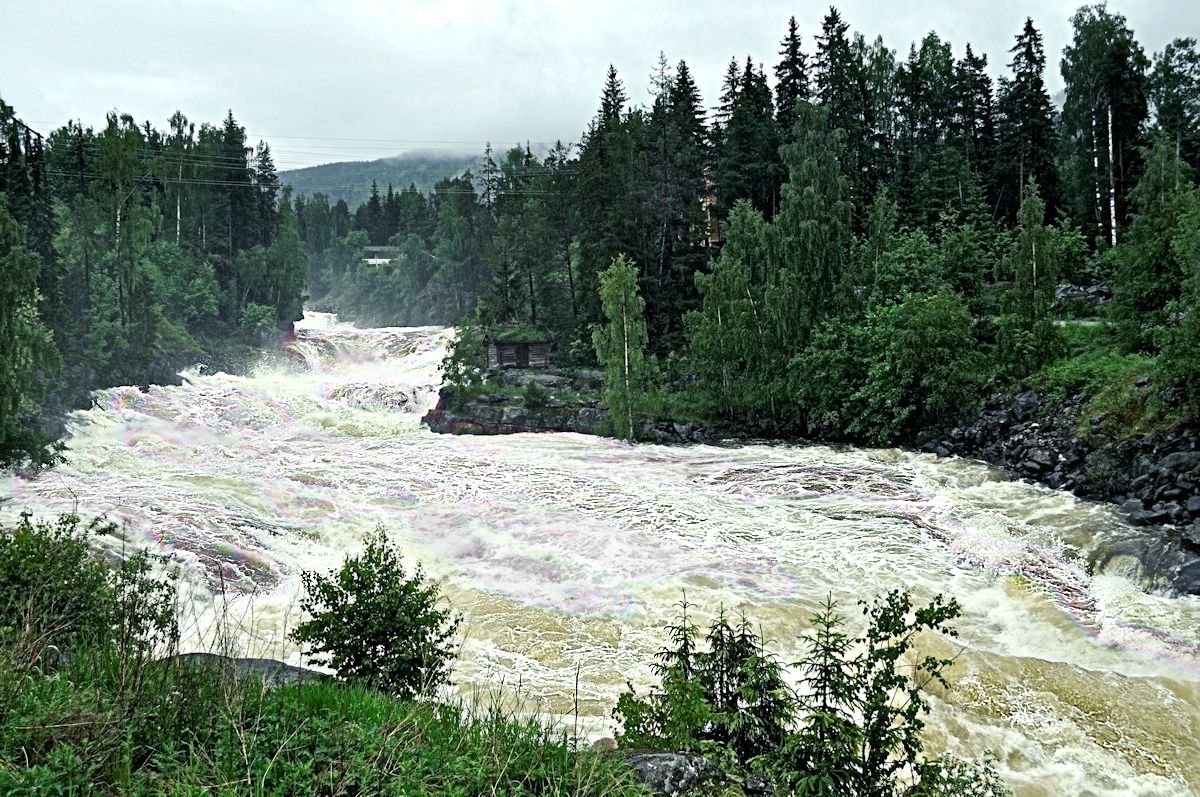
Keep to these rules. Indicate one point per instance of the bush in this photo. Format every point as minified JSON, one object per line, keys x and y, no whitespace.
{"x":258,"y":321}
{"x":376,"y":625}
{"x":462,"y":367}
{"x":534,"y":395}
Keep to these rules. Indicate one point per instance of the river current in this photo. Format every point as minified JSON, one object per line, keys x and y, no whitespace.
{"x":566,"y":553}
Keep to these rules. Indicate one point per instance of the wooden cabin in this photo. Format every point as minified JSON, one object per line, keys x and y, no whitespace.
{"x":517,"y":347}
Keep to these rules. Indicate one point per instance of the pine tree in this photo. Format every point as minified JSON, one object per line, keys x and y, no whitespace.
{"x":27,"y":350}
{"x":747,"y":163}
{"x":267,"y":182}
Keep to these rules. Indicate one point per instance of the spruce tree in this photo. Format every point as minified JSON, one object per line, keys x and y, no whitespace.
{"x":791,"y":80}
{"x":1025,"y":139}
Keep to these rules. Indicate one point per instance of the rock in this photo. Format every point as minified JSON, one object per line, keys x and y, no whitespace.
{"x":1187,"y":580}
{"x":1192,"y":505}
{"x":515,"y":416}
{"x":1191,"y":535}
{"x":1180,"y":461}
{"x":272,"y":672}
{"x":1132,"y":505}
{"x":941,"y":451}
{"x":670,"y":773}
{"x":757,"y":786}
{"x":1143,"y":382}
{"x":1042,"y":457}
{"x":1149,"y":517}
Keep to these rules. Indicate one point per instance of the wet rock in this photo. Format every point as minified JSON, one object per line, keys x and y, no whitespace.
{"x":671,"y":773}
{"x":1149,"y":517}
{"x":1132,"y":505}
{"x":941,"y":451}
{"x":1192,"y":505}
{"x":1191,"y":535}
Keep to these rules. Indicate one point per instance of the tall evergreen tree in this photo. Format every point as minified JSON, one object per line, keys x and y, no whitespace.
{"x":1025,"y":137}
{"x":267,"y":182}
{"x":791,"y":80}
{"x":27,"y":352}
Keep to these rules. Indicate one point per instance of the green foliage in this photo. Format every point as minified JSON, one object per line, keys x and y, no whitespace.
{"x":905,"y":367}
{"x":377,"y":625}
{"x":853,"y":728}
{"x":462,"y":367}
{"x":862,"y":704}
{"x":1088,"y":374}
{"x":1180,"y":360}
{"x":1154,"y":260}
{"x":85,"y":710}
{"x":258,"y":322}
{"x":726,"y":698}
{"x":534,"y":395}
{"x":621,"y":346}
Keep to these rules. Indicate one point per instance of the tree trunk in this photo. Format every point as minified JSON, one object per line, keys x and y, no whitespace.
{"x":1112,"y":188}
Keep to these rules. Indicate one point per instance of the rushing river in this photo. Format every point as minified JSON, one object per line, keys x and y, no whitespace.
{"x":566,"y":553}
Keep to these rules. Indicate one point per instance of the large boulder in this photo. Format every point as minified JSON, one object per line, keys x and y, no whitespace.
{"x":671,"y":774}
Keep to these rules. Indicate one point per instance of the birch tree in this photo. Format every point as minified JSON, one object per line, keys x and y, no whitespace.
{"x":621,"y":345}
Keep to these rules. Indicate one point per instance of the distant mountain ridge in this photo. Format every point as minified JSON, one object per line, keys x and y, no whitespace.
{"x":351,"y":180}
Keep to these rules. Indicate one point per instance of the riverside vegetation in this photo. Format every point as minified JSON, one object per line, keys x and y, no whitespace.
{"x":95,"y":700}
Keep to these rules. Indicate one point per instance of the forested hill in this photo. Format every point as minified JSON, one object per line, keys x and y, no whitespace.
{"x":850,"y":242}
{"x":351,"y":180}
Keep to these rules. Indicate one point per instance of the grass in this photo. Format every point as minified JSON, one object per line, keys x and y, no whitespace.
{"x":1095,"y":370}
{"x":92,"y":701}
{"x":68,"y":734}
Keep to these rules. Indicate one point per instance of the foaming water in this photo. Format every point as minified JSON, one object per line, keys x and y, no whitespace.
{"x":566,"y":553}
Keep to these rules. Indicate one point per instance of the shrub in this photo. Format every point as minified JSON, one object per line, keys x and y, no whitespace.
{"x":534,"y":395}
{"x":462,"y":367}
{"x":258,"y":320}
{"x":377,"y":625}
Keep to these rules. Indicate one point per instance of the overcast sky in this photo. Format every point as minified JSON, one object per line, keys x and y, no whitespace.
{"x":359,"y":79}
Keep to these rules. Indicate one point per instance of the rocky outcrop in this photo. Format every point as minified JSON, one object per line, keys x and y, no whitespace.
{"x":272,"y":672}
{"x":1086,"y":297}
{"x":1155,"y":479}
{"x":671,"y":774}
{"x":497,"y":415}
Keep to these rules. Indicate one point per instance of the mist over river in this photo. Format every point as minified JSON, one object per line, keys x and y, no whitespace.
{"x":567,"y":552}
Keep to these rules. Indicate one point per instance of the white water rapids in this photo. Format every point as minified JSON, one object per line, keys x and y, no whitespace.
{"x":566,"y":553}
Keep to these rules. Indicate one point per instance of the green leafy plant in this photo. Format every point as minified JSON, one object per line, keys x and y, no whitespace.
{"x":376,"y":624}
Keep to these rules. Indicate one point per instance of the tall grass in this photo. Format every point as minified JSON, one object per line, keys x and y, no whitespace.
{"x":95,"y":700}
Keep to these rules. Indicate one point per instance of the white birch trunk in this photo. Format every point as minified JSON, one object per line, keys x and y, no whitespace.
{"x":1112,"y":187}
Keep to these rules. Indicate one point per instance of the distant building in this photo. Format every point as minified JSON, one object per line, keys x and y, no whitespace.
{"x":379,"y":255}
{"x":517,"y":346}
